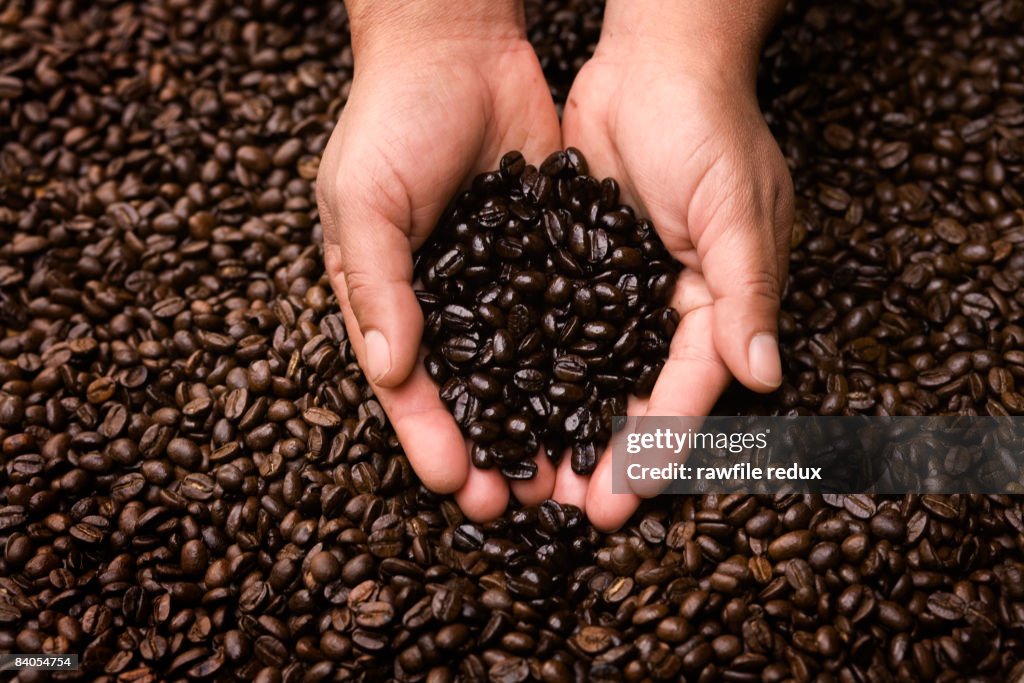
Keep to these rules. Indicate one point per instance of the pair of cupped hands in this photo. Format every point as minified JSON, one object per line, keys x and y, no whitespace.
{"x":677,"y":124}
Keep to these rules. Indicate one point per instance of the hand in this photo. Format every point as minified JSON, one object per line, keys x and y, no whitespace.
{"x":692,"y":151}
{"x":426,"y":113}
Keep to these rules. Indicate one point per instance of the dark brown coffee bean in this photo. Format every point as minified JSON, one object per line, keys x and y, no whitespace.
{"x":565,"y":392}
{"x":859,"y":506}
{"x":892,"y":154}
{"x":584,"y":457}
{"x":946,"y":606}
{"x":509,"y":670}
{"x":484,"y":386}
{"x":324,"y":567}
{"x":254,"y":159}
{"x":194,"y":557}
{"x":374,"y":614}
{"x":894,"y":615}
{"x":529,"y":380}
{"x":446,"y":605}
{"x":459,"y":350}
{"x":789,"y":545}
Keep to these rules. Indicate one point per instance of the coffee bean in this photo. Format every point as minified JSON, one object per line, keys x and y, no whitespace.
{"x":594,"y":640}
{"x":510,"y":670}
{"x":789,"y":545}
{"x":450,"y":263}
{"x":321,"y":417}
{"x":459,"y":350}
{"x":254,"y":159}
{"x":894,"y":615}
{"x":324,"y":567}
{"x":584,"y":457}
{"x":446,"y":605}
{"x":859,"y":506}
{"x":946,"y":606}
{"x":374,"y":614}
{"x":566,"y":392}
{"x":194,"y":557}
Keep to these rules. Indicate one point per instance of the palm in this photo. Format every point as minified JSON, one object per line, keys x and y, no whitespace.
{"x":435,"y":125}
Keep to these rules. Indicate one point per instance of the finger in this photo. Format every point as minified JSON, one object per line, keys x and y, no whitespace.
{"x":570,"y":488}
{"x":377,"y":272}
{"x":484,"y":495}
{"x":742,"y":273}
{"x":428,"y":433}
{"x":433,"y":443}
{"x":694,"y":375}
{"x":372,"y":258}
{"x":606,"y":509}
{"x":538,"y":489}
{"x":692,"y":379}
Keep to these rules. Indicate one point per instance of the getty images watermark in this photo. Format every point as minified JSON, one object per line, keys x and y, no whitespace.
{"x":665,"y":440}
{"x":859,"y":454}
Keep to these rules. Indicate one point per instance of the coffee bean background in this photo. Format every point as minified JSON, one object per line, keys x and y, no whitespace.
{"x":198,"y":484}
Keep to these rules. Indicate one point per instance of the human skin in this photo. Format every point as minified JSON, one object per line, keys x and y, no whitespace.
{"x":667,"y":106}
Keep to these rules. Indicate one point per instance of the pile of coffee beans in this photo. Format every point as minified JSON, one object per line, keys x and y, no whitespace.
{"x":546,"y":306}
{"x":197,"y":483}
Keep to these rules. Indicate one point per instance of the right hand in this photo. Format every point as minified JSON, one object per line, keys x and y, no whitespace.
{"x":423,"y":117}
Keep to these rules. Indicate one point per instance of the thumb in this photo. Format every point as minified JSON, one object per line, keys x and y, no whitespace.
{"x":370,"y":259}
{"x":742,"y":272}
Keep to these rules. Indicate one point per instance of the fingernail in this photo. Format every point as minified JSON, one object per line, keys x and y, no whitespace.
{"x":378,"y":355}
{"x":763,"y":356}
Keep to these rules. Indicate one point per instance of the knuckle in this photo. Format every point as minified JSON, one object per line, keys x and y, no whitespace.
{"x":761,"y":283}
{"x":332,"y":262}
{"x":694,"y":354}
{"x":360,"y":284}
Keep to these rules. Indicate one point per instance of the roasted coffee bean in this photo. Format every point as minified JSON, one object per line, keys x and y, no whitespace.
{"x":570,"y":369}
{"x":324,"y":567}
{"x":484,"y":386}
{"x":584,"y":457}
{"x":566,"y":392}
{"x":529,"y":380}
{"x":946,"y":606}
{"x":789,"y":545}
{"x":459,"y":350}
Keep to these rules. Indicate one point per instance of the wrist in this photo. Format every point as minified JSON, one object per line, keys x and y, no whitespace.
{"x":712,"y":40}
{"x":404,"y":26}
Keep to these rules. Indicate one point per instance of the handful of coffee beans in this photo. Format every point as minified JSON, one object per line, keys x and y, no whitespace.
{"x":546,"y":304}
